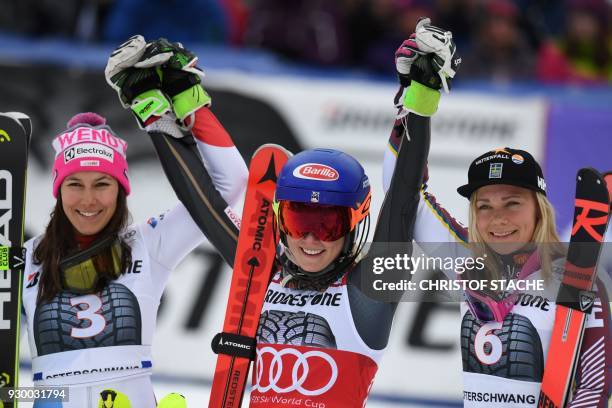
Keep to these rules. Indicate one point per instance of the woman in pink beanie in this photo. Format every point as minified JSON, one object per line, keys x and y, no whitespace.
{"x":92,"y":283}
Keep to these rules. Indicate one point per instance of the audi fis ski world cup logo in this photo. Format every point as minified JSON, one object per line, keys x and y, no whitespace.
{"x":6,"y":213}
{"x":4,"y":136}
{"x":316,"y":171}
{"x":283,"y":371}
{"x":89,"y":150}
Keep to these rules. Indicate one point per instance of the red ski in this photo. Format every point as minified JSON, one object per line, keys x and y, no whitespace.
{"x":575,"y":298}
{"x":253,"y":266}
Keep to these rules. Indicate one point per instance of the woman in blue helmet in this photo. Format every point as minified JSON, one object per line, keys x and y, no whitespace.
{"x":322,"y":195}
{"x":320,"y":338}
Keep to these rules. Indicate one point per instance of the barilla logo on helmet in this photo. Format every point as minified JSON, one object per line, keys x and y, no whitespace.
{"x":316,"y":171}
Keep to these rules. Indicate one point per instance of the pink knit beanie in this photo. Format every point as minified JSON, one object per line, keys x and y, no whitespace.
{"x":88,"y":144}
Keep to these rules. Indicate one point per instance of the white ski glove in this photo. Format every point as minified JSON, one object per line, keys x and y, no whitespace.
{"x":431,"y":39}
{"x":139,"y":88}
{"x":123,"y":57}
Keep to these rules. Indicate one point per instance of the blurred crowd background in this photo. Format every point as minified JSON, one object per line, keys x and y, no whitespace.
{"x":549,"y":41}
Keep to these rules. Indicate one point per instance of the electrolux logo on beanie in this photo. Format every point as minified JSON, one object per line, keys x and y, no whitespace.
{"x":69,"y":154}
{"x":504,"y":166}
{"x":90,"y":150}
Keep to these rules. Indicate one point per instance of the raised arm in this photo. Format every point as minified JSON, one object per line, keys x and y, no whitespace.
{"x":433,"y":227}
{"x":160,"y":84}
{"x":425,"y":63}
{"x":418,"y":71}
{"x":433,"y":222}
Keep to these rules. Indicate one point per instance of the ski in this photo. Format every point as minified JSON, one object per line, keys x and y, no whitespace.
{"x":15,"y":131}
{"x":253,"y":266}
{"x":575,"y":298}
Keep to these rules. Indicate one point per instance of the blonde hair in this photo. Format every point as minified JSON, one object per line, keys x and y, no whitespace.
{"x":545,"y":236}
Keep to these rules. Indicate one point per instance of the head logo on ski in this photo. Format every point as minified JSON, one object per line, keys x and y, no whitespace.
{"x":4,"y":136}
{"x":13,"y":165}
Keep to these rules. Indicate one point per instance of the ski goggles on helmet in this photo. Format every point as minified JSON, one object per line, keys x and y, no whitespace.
{"x":325,"y":222}
{"x":487,"y":309}
{"x":79,"y":272}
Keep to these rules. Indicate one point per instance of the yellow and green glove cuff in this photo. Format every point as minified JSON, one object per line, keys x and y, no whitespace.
{"x":189,"y":101}
{"x":150,"y":103}
{"x":421,"y":99}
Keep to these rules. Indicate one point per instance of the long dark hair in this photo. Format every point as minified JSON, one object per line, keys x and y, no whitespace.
{"x":59,"y":241}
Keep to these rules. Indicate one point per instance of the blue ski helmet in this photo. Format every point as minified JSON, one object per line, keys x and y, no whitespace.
{"x":326,"y":177}
{"x":323,"y":176}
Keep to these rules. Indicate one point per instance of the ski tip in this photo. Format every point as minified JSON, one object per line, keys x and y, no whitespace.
{"x":589,"y":174}
{"x":273,"y":146}
{"x":590,"y":184}
{"x":22,"y":119}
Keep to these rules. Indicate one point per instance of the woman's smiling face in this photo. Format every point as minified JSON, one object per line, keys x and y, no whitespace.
{"x":89,"y":200}
{"x":506,"y":216}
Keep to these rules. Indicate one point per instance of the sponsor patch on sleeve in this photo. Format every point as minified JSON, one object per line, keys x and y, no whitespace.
{"x":235,"y":218}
